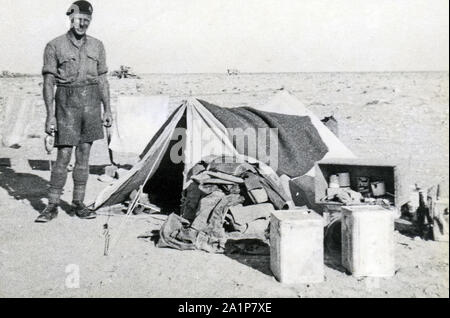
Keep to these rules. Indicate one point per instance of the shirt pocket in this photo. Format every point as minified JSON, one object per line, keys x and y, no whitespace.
{"x":92,"y":63}
{"x":68,"y":66}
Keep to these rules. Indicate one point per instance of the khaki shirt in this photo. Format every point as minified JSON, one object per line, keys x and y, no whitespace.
{"x":72,"y":63}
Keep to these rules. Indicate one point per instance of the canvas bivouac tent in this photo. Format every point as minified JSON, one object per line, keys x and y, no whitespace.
{"x":19,"y":111}
{"x":282,"y":134}
{"x":133,"y":113}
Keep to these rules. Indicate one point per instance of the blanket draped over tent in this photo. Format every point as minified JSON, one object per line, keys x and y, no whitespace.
{"x":299,"y":143}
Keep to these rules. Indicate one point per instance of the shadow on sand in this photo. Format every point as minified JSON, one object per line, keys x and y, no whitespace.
{"x":261,"y":263}
{"x":250,"y":252}
{"x":26,"y":186}
{"x":44,"y":165}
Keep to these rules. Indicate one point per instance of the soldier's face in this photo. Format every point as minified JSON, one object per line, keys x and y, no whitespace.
{"x":80,"y":23}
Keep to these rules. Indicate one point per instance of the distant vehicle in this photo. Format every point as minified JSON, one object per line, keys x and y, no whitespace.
{"x":232,"y":71}
{"x":124,"y":72}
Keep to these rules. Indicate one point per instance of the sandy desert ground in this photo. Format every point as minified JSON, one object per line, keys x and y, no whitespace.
{"x":402,"y":117}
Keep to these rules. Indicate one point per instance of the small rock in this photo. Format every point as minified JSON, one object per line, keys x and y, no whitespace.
{"x":374,"y":102}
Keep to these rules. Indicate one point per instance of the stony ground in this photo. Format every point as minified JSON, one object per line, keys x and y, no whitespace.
{"x":402,"y":117}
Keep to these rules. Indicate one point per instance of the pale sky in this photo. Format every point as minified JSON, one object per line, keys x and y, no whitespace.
{"x":197,"y":36}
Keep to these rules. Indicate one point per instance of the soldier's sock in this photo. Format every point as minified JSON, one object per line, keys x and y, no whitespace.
{"x":80,"y":176}
{"x":57,"y":182}
{"x":79,"y":191}
{"x":54,"y":196}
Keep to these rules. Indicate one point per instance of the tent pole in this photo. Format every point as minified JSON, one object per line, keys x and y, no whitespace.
{"x":131,"y":207}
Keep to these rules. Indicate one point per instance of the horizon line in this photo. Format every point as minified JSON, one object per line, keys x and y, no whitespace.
{"x":250,"y":73}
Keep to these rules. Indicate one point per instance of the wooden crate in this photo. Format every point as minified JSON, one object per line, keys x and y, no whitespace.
{"x":368,"y":241}
{"x":296,"y":246}
{"x":391,"y":174}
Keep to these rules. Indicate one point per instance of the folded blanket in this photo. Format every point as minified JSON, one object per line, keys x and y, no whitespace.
{"x":299,"y":143}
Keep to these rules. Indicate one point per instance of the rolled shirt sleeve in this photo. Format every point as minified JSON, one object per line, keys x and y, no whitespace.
{"x":50,"y":61}
{"x":102,"y":68}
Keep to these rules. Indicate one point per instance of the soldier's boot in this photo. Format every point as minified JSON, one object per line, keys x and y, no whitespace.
{"x":82,"y":211}
{"x":48,"y":214}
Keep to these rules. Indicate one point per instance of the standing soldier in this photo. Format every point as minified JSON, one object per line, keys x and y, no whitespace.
{"x":76,"y":64}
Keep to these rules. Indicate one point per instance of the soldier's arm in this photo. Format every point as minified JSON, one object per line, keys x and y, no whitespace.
{"x":104,"y":96}
{"x":104,"y":93}
{"x":49,"y":71}
{"x":104,"y":87}
{"x":48,"y":93}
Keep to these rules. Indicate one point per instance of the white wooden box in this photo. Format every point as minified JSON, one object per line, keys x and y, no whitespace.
{"x":440,"y":220}
{"x":368,"y":241}
{"x":296,"y":246}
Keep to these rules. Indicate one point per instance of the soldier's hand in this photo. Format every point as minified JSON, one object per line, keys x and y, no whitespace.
{"x":107,"y":119}
{"x":50,"y":125}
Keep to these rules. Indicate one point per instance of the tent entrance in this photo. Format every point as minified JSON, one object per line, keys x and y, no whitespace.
{"x":165,"y":187}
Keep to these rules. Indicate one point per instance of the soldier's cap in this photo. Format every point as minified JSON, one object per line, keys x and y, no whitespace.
{"x":80,"y":7}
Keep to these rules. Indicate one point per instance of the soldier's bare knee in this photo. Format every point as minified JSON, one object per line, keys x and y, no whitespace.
{"x":64,"y":155}
{"x":82,"y":153}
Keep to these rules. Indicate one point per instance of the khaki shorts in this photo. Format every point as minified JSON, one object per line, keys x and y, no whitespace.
{"x":78,"y":115}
